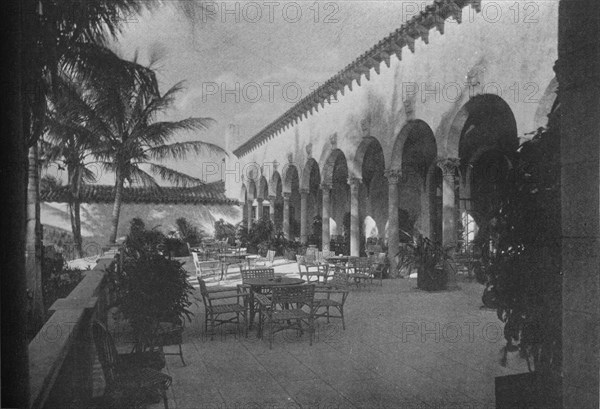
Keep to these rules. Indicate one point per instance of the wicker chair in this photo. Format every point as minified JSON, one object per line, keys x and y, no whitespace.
{"x":336,"y":291}
{"x":312,"y":269}
{"x":361,"y":270}
{"x":245,"y":288}
{"x":214,"y":311}
{"x":125,"y":375}
{"x":288,"y":308}
{"x":206,"y":268}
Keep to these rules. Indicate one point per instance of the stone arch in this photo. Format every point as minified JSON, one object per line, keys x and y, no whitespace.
{"x":251,"y":190}
{"x":335,"y":157}
{"x":421,"y":137}
{"x":275,"y":185}
{"x":263,"y":188}
{"x":367,"y":144}
{"x":487,"y":109}
{"x":310,"y":167}
{"x":290,"y":176}
{"x":414,"y":153}
{"x":369,"y":164}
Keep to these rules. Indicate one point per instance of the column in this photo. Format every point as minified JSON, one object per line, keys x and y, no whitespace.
{"x":249,"y":217}
{"x":579,"y":92}
{"x":326,"y":189}
{"x":303,"y":215}
{"x":449,"y":234}
{"x":354,"y":216}
{"x":448,"y":167}
{"x":393,"y":178}
{"x":259,"y":208}
{"x":286,"y":215}
{"x":272,"y":208}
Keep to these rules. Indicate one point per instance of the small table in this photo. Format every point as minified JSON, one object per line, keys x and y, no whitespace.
{"x":256,"y":284}
{"x":229,"y":259}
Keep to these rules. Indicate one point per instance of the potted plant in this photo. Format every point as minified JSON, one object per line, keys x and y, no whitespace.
{"x":431,"y":261}
{"x":525,"y":271}
{"x":150,"y":287}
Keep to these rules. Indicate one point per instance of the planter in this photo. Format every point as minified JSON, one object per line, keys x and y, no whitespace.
{"x":432,"y":280}
{"x":528,"y":390}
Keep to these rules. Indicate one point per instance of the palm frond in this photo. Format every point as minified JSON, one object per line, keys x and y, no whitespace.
{"x":180,"y":150}
{"x":139,"y":176}
{"x":175,"y":177}
{"x":160,"y":133}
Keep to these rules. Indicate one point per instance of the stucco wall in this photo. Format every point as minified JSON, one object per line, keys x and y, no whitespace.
{"x":495,"y":51}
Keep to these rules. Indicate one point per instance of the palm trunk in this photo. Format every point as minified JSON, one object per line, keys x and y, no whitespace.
{"x":117,"y":207}
{"x":33,"y":247}
{"x":75,"y":210}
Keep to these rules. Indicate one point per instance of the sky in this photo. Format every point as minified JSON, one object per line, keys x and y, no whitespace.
{"x":246,"y":63}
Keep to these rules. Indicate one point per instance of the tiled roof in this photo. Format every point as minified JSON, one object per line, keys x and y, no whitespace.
{"x":433,"y":16}
{"x":210,"y":193}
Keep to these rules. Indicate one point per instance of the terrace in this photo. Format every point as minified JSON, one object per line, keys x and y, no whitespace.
{"x":402,"y":347}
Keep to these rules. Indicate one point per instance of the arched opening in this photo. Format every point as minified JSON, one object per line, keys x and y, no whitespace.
{"x":251,"y":199}
{"x":291,"y":187}
{"x":262,"y":196}
{"x":311,"y":182}
{"x":487,"y":141}
{"x":415,"y":152}
{"x":276,"y":201}
{"x":373,"y":193}
{"x":336,"y":175}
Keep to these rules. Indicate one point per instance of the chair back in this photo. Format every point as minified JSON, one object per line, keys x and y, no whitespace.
{"x":257,"y":273}
{"x":300,"y":295}
{"x":107,"y":352}
{"x":196,"y":261}
{"x":205,"y":267}
{"x":362,"y":265}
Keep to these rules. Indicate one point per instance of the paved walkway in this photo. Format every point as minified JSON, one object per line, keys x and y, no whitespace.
{"x":402,"y":348}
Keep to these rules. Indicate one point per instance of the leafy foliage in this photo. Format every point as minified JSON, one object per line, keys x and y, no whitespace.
{"x":525,"y":270}
{"x":189,"y":233}
{"x":150,"y":287}
{"x":225,"y":230}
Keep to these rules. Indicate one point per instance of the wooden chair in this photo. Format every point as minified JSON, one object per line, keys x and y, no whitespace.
{"x":378,"y":266}
{"x":361,"y":270}
{"x":255,"y":273}
{"x":312,"y":269}
{"x":213,"y":311}
{"x":206,"y":268}
{"x":288,"y":307}
{"x":125,"y":375}
{"x":336,"y":291}
{"x":170,"y":332}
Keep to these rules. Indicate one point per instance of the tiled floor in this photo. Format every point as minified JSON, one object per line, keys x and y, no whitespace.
{"x":402,"y":348}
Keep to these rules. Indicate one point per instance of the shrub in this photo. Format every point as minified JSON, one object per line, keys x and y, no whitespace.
{"x":224,"y":230}
{"x":150,"y":287}
{"x":189,"y":233}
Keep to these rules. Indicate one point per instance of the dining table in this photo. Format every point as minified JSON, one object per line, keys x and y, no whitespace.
{"x":258,"y":284}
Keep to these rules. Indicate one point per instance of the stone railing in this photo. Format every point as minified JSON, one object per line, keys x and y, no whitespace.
{"x":61,"y":355}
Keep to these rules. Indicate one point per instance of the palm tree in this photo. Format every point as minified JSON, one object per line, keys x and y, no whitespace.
{"x":69,"y":142}
{"x":136,"y":142}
